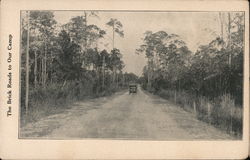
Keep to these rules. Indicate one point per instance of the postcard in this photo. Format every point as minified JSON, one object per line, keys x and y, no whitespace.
{"x":124,"y":79}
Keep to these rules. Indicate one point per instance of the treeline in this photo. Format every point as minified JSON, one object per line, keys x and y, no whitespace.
{"x":63,"y":63}
{"x":208,"y":82}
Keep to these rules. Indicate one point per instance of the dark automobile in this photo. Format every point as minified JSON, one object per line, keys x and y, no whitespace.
{"x":132,"y":88}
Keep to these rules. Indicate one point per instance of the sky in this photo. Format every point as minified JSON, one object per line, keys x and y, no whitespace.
{"x":195,"y":28}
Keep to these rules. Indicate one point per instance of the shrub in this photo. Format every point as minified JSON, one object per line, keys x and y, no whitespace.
{"x":221,"y":112}
{"x":56,"y":97}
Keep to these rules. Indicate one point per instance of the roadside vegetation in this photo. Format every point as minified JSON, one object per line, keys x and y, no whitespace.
{"x":62,"y":63}
{"x":208,"y":82}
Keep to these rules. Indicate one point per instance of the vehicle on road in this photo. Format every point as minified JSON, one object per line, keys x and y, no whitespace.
{"x":132,"y":88}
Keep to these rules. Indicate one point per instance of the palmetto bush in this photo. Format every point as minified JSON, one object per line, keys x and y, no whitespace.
{"x":221,"y":112}
{"x":56,"y":97}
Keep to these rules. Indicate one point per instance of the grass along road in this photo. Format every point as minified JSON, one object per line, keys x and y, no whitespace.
{"x":122,"y":116}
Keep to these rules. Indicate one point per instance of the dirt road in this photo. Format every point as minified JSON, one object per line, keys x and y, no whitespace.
{"x":122,"y":116}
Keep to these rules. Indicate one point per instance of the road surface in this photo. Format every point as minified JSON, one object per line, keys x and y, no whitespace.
{"x":141,"y":116}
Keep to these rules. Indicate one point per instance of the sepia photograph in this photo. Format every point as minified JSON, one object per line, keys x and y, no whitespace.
{"x":108,"y":79}
{"x":132,"y":75}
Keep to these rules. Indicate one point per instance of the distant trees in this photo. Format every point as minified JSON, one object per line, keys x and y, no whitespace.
{"x":167,"y":57}
{"x":67,"y":62}
{"x":209,"y":81}
{"x":42,"y":26}
{"x":213,"y":70}
{"x":116,"y":28}
{"x":116,"y":64}
{"x":220,"y":63}
{"x":37,"y":40}
{"x":68,"y":55}
{"x":41,"y":44}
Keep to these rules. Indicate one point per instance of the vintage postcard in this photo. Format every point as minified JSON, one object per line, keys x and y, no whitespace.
{"x":124,"y":79}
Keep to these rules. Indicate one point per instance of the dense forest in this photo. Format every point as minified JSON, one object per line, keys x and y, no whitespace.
{"x":208,"y":82}
{"x":63,"y":63}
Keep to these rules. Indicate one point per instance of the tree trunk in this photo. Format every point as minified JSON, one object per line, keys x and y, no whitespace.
{"x":194,"y":107}
{"x":114,"y":75}
{"x":229,"y":40}
{"x":45,"y":65}
{"x":149,"y":80}
{"x":42,"y":70}
{"x":123,"y":80}
{"x":64,"y":83}
{"x":221,"y":25}
{"x":179,"y":85}
{"x":84,"y":46}
{"x":103,"y":71}
{"x":35,"y":69}
{"x":231,"y":119}
{"x":117,"y":80}
{"x":98,"y":79}
{"x":149,"y":73}
{"x":86,"y":24}
{"x":113,"y":37}
{"x":27,"y":70}
{"x":175,"y":96}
